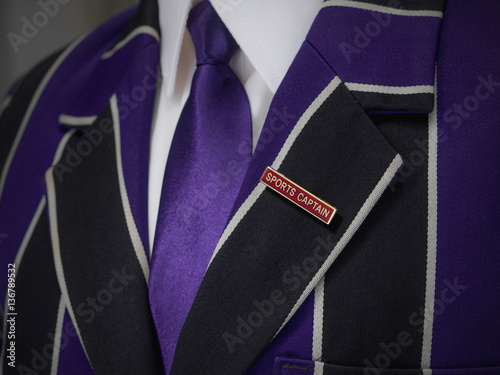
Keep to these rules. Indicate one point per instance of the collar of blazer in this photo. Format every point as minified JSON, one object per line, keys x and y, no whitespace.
{"x":359,"y":57}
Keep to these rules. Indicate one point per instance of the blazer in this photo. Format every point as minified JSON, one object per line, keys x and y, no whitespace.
{"x":389,"y":112}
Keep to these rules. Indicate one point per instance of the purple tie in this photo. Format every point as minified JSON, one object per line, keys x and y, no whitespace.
{"x":208,"y":158}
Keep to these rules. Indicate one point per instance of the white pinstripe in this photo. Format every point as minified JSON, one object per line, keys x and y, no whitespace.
{"x":54,"y":366}
{"x":399,"y":90}
{"x":318,"y":368}
{"x":129,"y":218}
{"x":319,"y":296}
{"x":383,"y":9}
{"x":76,"y":120}
{"x":5,"y":103}
{"x":431,"y":239}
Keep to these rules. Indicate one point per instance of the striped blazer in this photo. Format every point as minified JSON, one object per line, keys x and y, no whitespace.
{"x":390,"y":112}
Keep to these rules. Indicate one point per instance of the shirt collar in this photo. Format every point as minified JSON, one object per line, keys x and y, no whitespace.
{"x":269,"y":32}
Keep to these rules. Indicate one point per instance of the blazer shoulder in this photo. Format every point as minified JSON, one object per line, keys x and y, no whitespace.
{"x":62,"y":71}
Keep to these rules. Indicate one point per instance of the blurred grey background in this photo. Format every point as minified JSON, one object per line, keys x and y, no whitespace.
{"x":64,"y":25}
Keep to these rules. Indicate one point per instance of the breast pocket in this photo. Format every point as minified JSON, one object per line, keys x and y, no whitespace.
{"x":297,"y":366}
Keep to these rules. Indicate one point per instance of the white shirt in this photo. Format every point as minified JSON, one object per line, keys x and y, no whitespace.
{"x":269,"y":33}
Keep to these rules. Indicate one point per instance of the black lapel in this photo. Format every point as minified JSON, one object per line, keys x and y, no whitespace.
{"x":376,"y":288}
{"x":97,"y":250}
{"x":32,"y":335}
{"x":273,"y":253}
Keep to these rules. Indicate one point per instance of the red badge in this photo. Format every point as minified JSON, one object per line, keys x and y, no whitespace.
{"x":301,"y":197}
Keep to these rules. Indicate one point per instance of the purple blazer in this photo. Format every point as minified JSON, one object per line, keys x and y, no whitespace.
{"x":390,"y":112}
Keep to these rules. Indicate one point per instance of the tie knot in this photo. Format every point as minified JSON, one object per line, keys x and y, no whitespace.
{"x":212,"y":40}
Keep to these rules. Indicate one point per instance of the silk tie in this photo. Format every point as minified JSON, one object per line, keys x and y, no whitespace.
{"x":208,"y":158}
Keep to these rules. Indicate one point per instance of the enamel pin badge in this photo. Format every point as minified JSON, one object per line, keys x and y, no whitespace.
{"x":301,"y":197}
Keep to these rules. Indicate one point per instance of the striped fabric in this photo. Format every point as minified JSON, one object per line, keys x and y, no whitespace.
{"x":389,"y":112}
